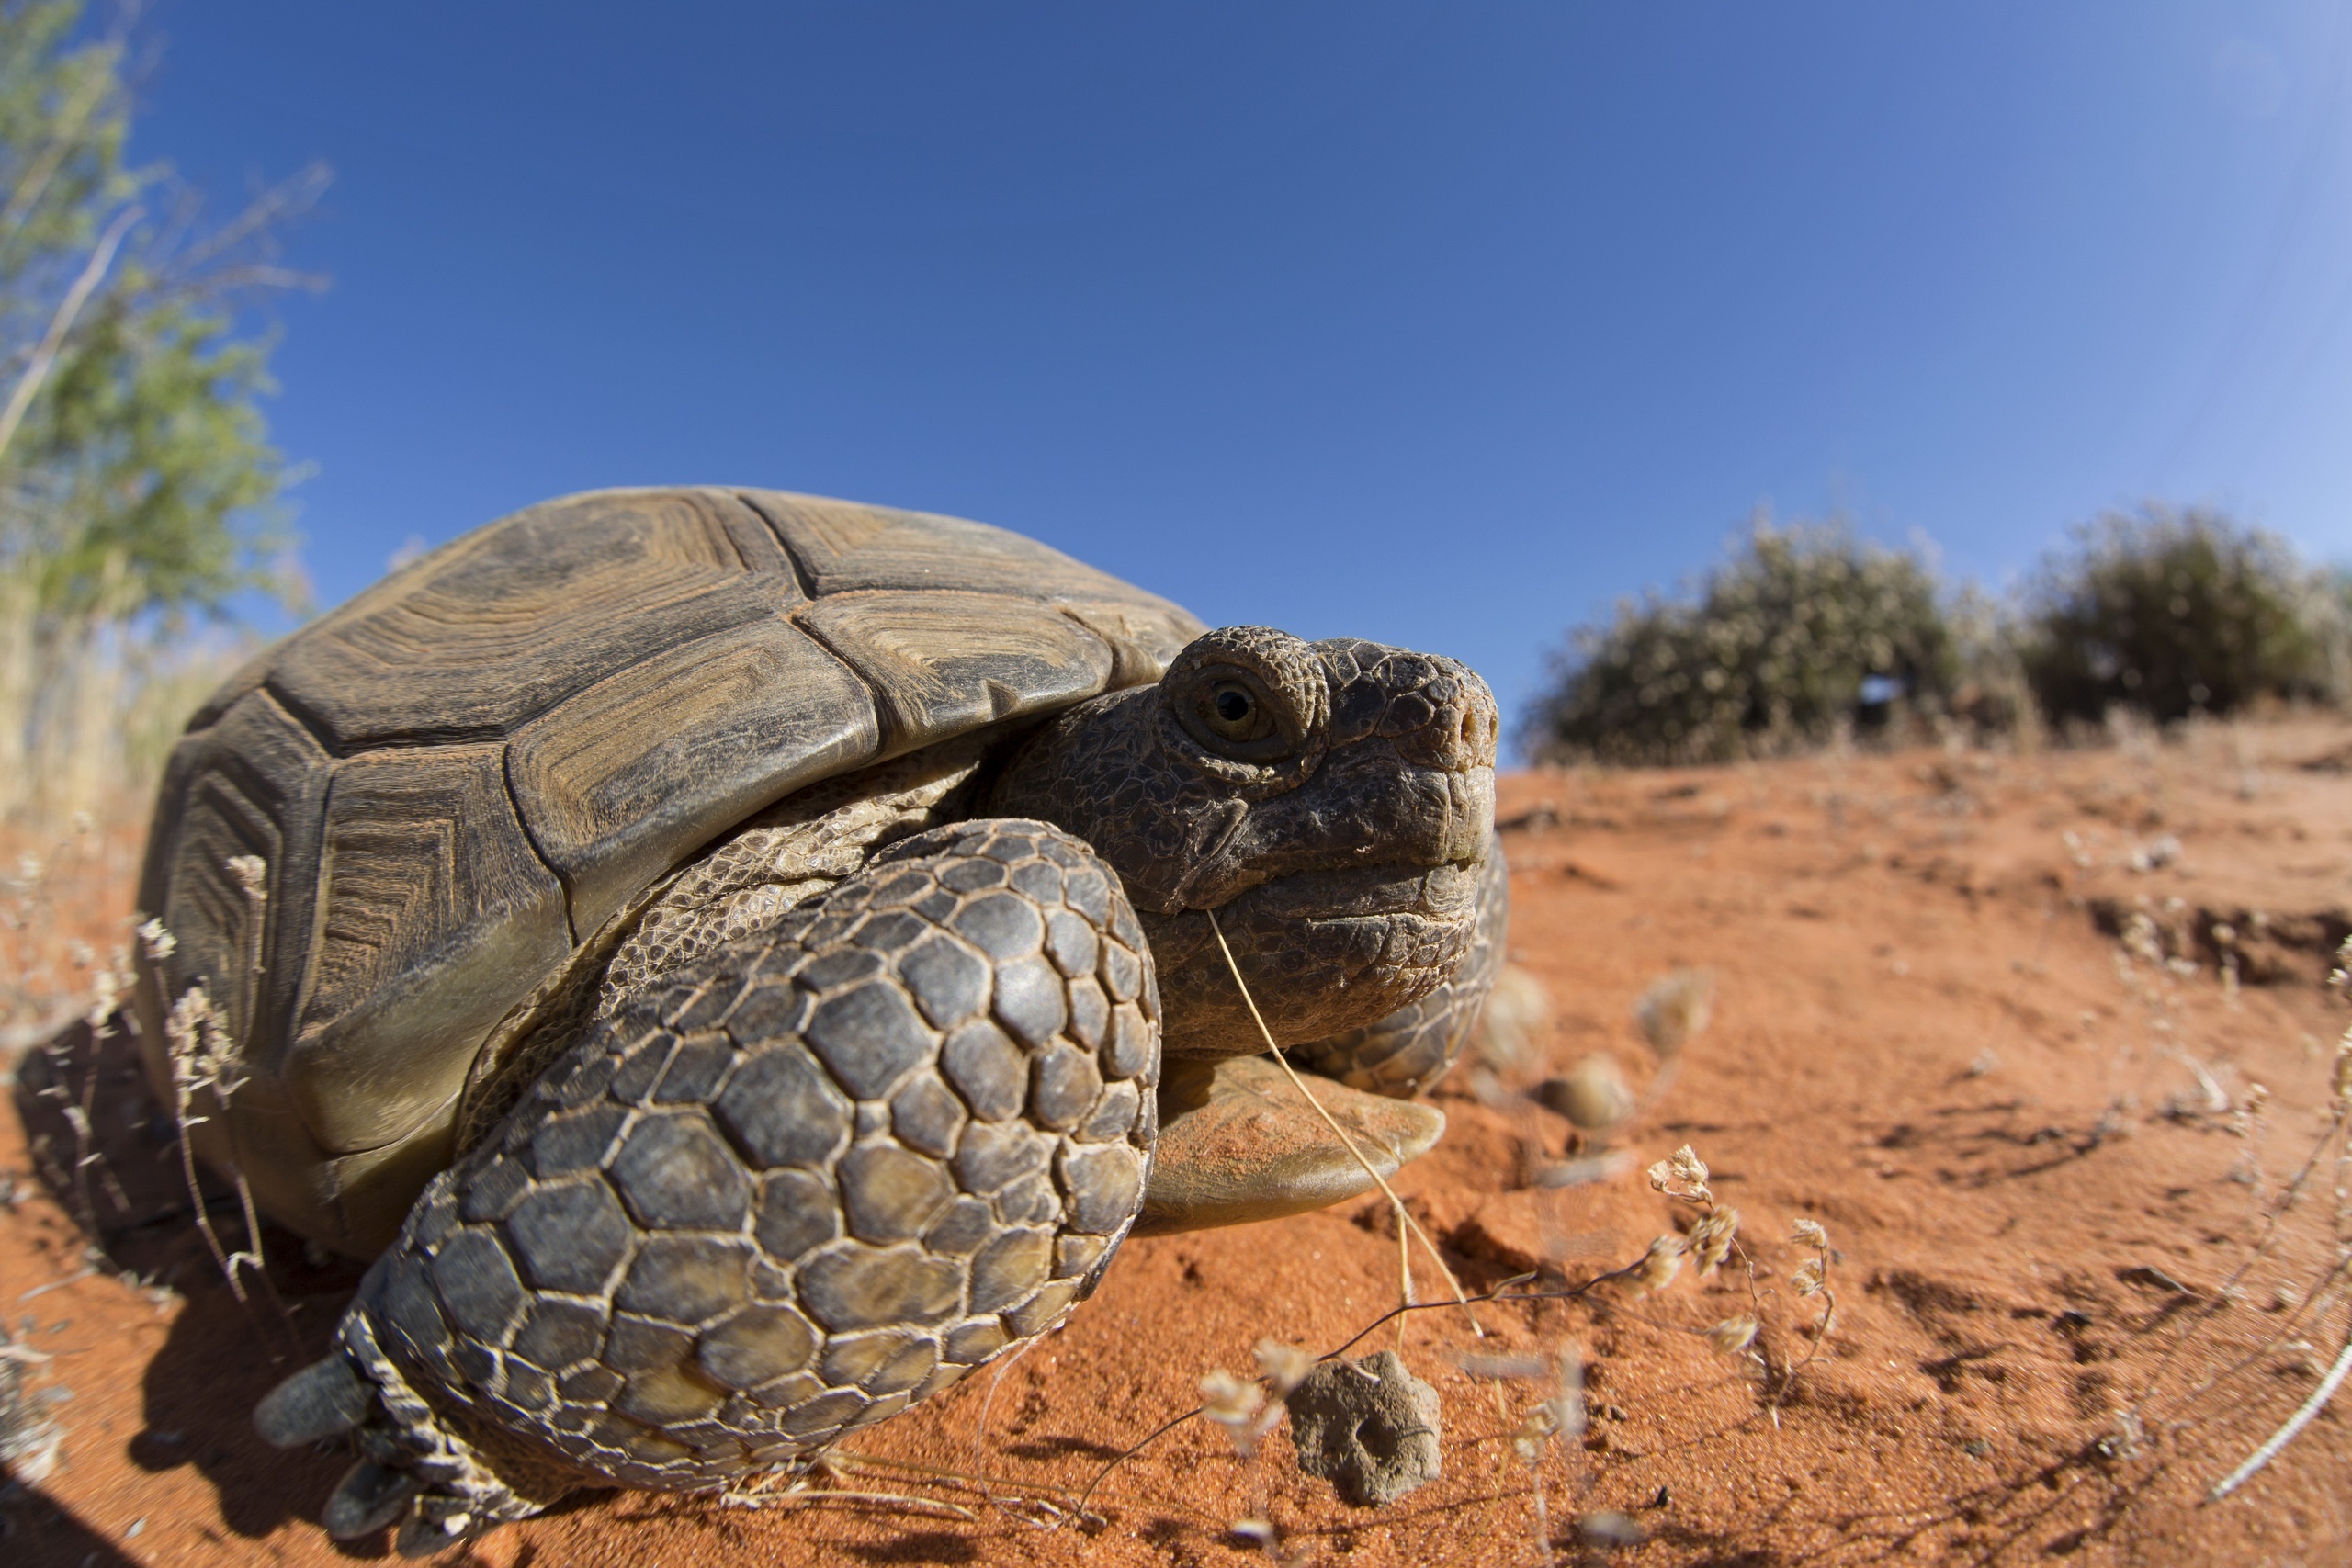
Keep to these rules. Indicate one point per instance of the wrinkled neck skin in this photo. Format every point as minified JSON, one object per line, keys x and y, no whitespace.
{"x":1340,"y":853}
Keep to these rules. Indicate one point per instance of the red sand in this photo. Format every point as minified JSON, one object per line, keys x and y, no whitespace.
{"x":1921,"y":1038}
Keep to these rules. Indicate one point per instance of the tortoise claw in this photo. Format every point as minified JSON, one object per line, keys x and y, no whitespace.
{"x":422,"y":1537}
{"x":370,"y":1496}
{"x":325,"y":1399}
{"x":1238,"y":1145}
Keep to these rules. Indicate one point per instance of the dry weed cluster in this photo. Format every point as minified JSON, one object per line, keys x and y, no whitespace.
{"x":2306,"y":1268}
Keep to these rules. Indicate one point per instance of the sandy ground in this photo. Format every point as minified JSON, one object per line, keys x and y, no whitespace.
{"x":1969,"y":1016}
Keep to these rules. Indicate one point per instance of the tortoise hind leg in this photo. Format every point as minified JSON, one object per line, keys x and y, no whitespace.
{"x":1413,"y":1047}
{"x":784,"y":1191}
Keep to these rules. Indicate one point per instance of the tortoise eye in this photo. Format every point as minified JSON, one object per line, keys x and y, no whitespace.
{"x":1233,"y":712}
{"x":1248,"y":698}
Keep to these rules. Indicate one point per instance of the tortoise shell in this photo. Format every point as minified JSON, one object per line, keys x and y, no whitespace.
{"x":385,"y":832}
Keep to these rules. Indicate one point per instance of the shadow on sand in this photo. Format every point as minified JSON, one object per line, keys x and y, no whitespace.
{"x":223,"y":1353}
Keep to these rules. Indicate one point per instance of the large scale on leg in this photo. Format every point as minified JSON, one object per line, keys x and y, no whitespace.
{"x":708,"y":945}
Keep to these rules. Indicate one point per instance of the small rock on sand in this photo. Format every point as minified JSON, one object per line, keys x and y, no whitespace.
{"x":1369,"y":1427}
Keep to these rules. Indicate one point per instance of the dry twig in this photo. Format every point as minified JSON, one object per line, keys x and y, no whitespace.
{"x":1405,"y":1220}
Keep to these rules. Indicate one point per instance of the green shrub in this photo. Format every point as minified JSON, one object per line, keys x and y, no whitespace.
{"x":2173,"y":612}
{"x":1784,"y":643}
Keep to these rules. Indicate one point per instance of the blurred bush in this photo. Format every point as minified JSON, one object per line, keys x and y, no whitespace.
{"x":2175,"y":613}
{"x":1804,"y":631}
{"x":138,"y":485}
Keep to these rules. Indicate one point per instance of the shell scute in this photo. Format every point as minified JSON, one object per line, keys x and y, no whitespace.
{"x":499,"y":626}
{"x":944,"y":660}
{"x":621,"y":779}
{"x":438,"y":917}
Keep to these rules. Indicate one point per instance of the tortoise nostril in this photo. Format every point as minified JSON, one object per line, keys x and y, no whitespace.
{"x":1472,"y":737}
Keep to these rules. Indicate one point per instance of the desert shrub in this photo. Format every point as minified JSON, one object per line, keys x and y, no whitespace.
{"x":1993,"y":702}
{"x":2174,"y":613}
{"x":2334,"y":626}
{"x":1801,"y":630}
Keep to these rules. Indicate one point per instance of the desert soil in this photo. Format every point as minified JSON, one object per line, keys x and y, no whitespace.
{"x":1968,"y":1015}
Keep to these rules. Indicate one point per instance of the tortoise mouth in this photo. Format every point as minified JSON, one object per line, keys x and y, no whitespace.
{"x":1322,"y":952}
{"x":1447,"y":892}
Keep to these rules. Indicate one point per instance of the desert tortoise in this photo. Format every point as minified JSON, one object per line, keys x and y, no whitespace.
{"x":719,"y":947}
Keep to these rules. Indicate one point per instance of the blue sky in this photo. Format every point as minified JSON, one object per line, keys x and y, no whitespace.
{"x":1446,"y":326}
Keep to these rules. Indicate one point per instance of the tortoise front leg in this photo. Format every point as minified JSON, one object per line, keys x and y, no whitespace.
{"x":1413,"y":1047}
{"x":788,"y":1190}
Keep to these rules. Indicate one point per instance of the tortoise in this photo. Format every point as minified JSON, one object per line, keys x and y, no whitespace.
{"x":716,"y":949}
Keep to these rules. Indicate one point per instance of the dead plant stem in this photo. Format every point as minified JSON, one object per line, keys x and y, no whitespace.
{"x":28,"y":385}
{"x":2303,"y":1416}
{"x":1404,"y":1216}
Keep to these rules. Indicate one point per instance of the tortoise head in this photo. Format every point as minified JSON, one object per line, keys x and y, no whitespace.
{"x":1331,"y":801}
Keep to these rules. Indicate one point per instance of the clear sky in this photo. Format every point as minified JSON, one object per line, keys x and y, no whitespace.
{"x":1443,"y":325}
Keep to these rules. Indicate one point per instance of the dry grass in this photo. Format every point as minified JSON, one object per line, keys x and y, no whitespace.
{"x":89,"y":710}
{"x":90,"y":707}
